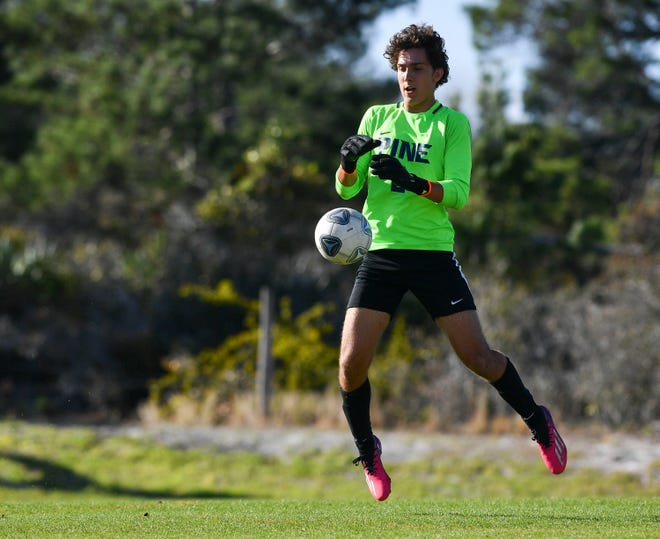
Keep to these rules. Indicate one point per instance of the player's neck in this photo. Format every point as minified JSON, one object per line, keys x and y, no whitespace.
{"x":419,"y":107}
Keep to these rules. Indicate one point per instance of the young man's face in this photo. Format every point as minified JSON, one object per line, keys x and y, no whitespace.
{"x":417,"y":80}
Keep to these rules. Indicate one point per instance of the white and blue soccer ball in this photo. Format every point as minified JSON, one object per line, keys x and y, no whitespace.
{"x":343,"y":236}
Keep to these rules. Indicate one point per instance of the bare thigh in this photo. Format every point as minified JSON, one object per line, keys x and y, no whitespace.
{"x":361,"y":334}
{"x":468,"y":341}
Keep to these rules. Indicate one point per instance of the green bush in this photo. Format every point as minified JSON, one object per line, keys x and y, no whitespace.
{"x":303,"y":359}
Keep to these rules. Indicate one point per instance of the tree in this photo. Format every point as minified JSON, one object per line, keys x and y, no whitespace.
{"x":550,"y":188}
{"x":158,"y":100}
{"x":596,"y":76}
{"x":157,"y":142}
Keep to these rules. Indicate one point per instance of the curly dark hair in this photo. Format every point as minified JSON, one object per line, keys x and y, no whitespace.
{"x":419,"y":37}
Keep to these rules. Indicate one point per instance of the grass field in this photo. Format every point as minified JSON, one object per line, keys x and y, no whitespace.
{"x":72,"y":482}
{"x":466,"y":518}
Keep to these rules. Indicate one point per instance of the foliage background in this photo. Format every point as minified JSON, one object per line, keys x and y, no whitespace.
{"x":160,"y":161}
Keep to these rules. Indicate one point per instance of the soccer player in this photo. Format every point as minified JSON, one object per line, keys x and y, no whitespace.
{"x":415,"y":159}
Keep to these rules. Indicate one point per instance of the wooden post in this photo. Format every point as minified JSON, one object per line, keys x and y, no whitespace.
{"x":265,"y":356}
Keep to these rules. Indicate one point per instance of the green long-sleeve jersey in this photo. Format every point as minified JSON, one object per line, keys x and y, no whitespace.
{"x":434,"y":145}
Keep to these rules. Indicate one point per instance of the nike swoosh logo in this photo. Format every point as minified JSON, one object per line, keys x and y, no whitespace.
{"x":456,"y":301}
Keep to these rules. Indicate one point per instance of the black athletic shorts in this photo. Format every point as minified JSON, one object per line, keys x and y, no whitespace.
{"x":434,"y":277}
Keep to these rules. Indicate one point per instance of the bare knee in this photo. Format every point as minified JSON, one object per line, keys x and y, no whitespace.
{"x":467,"y":339}
{"x":487,"y":363}
{"x":353,"y":370}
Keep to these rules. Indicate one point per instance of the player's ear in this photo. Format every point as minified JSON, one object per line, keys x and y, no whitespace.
{"x":437,"y":74}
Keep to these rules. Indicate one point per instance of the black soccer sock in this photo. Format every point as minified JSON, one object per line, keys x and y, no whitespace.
{"x":356,"y":409}
{"x":513,"y":391}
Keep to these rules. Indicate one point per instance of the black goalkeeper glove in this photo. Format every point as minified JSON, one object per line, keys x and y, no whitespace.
{"x":354,"y":147}
{"x":387,"y":167}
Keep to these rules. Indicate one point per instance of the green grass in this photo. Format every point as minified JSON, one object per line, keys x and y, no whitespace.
{"x":467,"y":518}
{"x":72,"y":482}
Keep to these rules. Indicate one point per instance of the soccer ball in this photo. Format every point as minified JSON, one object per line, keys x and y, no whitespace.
{"x":343,"y":236}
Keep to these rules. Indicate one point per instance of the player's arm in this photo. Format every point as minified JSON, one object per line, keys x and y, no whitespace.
{"x":387,"y":167}
{"x":353,"y":148}
{"x":436,"y":192}
{"x":452,"y":191}
{"x":346,"y":176}
{"x":458,"y":162}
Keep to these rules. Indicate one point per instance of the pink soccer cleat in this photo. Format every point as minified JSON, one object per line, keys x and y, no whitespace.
{"x":379,"y":483}
{"x":553,"y":449}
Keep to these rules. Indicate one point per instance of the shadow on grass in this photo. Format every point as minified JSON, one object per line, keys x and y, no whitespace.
{"x":54,"y":477}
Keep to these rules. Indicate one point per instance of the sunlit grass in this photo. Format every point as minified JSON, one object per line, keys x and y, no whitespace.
{"x":596,"y":518}
{"x":74,"y":482}
{"x":38,"y":460}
